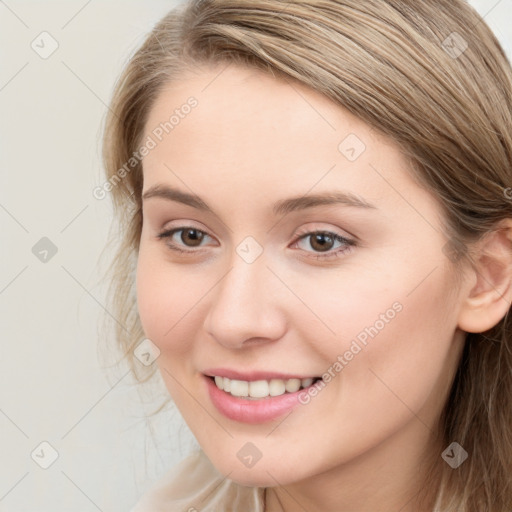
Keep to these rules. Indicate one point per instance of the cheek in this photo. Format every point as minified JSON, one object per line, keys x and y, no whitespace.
{"x":167,"y":299}
{"x":415,"y":349}
{"x":404,"y":365}
{"x":340,"y":306}
{"x":392,"y":327}
{"x":395,"y":373}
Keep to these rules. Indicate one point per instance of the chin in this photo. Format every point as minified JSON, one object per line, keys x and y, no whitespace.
{"x":264,"y":473}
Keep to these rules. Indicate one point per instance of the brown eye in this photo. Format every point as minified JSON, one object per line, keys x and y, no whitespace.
{"x":185,"y":239}
{"x":324,"y":244}
{"x":191,"y":237}
{"x":321,"y":241}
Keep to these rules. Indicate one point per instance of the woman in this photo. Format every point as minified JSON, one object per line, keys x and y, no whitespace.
{"x":313,"y":196}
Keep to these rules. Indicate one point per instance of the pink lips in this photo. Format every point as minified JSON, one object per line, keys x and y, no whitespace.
{"x":254,"y":375}
{"x":250,"y":411}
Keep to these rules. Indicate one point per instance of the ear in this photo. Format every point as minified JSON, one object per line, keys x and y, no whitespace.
{"x":489,"y":293}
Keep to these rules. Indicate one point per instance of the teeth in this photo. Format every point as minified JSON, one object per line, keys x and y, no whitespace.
{"x":276,"y":387}
{"x":239,"y":388}
{"x":293,"y":385}
{"x":258,"y":389}
{"x":220,"y":382}
{"x":261,"y":388}
{"x":307,"y":382}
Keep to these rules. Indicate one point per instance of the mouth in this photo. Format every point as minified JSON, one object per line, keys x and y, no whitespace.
{"x":255,"y":396}
{"x":262,"y":388}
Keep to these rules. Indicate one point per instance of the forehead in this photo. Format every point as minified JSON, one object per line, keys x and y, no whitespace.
{"x":261,"y":134}
{"x":248,"y":105}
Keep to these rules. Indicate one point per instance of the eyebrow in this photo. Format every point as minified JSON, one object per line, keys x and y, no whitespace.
{"x":281,"y":207}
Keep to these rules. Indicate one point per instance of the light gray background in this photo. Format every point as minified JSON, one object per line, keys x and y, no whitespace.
{"x":52,"y":387}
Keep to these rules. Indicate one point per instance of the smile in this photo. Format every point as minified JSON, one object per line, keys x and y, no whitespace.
{"x":265,"y":397}
{"x":258,"y":389}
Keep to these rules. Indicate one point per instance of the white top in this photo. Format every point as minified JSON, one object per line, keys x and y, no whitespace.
{"x":194,"y":485}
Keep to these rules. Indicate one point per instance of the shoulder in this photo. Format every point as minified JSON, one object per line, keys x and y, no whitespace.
{"x":195,"y":485}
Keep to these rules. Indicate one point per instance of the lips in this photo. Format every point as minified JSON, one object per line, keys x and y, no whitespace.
{"x":254,"y":375}
{"x":270,"y":402}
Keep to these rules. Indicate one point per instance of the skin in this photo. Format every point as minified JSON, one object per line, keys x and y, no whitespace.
{"x":253,"y":140}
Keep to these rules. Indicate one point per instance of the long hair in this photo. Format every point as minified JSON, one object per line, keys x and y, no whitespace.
{"x":428,"y":74}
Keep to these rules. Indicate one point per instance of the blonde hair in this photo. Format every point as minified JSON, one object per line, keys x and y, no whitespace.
{"x":428,"y":74}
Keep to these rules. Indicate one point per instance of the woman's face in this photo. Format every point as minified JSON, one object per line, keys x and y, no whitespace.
{"x":283,"y":240}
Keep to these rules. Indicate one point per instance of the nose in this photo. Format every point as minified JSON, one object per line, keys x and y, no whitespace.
{"x":246,"y":306}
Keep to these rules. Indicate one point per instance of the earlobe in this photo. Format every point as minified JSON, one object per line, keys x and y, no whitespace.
{"x":489,"y":296}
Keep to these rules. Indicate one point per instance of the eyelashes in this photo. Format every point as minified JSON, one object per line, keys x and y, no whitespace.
{"x":323,"y":240}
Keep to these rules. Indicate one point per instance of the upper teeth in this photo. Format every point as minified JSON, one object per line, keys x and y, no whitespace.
{"x":261,"y":388}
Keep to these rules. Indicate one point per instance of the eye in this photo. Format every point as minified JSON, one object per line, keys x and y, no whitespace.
{"x":325,"y":243}
{"x":188,"y":236}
